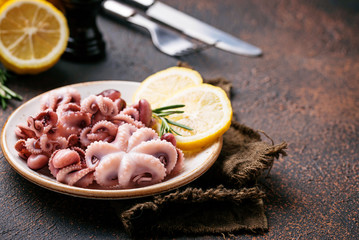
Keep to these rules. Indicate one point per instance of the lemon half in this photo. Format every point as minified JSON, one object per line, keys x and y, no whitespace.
{"x":33,"y":35}
{"x":159,"y":86}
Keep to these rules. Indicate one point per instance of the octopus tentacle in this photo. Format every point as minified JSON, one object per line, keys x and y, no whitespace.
{"x":72,"y":140}
{"x":33,"y":145}
{"x":103,"y":131}
{"x":105,"y":126}
{"x":138,"y":169}
{"x":45,"y":143}
{"x":96,"y":151}
{"x":106,"y":173}
{"x":63,"y":174}
{"x":55,"y":98}
{"x":132,"y":112}
{"x":97,"y":117}
{"x":83,"y":137}
{"x":59,"y":143}
{"x":81,"y":178}
{"x":163,"y":150}
{"x":80,"y":151}
{"x":49,"y":145}
{"x":105,"y":105}
{"x":100,"y":136}
{"x":113,"y":94}
{"x":120,"y":119}
{"x":124,"y":132}
{"x":141,"y":135}
{"x":89,"y":104}
{"x":179,"y":164}
{"x":69,"y":128}
{"x":20,"y":147}
{"x":68,"y":107}
{"x":52,"y":168}
{"x":85,"y":180}
{"x":23,"y":131}
{"x":75,"y":95}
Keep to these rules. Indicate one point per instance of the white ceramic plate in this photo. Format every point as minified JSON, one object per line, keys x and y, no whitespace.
{"x":195,"y":164}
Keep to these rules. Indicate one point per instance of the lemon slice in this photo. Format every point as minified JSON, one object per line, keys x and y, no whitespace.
{"x":207,"y":111}
{"x":33,"y":35}
{"x":159,"y":86}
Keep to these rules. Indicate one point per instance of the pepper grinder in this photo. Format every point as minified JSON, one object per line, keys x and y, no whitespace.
{"x":85,"y":42}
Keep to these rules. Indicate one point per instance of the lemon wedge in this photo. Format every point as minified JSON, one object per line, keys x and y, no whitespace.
{"x":33,"y":35}
{"x":159,"y":86}
{"x":207,"y":111}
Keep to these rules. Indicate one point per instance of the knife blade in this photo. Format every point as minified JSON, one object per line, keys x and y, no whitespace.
{"x":196,"y":29}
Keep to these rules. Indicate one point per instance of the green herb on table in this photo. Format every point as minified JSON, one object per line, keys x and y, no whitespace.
{"x":6,"y":93}
{"x":163,"y":112}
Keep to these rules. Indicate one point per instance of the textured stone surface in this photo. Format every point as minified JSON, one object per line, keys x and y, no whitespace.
{"x":303,"y":90}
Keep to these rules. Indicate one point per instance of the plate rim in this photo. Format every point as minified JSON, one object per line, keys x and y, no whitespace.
{"x":116,"y":194}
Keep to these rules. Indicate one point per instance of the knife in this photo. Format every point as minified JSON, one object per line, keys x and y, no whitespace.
{"x":195,"y":28}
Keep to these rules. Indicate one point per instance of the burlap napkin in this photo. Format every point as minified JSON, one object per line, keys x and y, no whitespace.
{"x":226,"y":199}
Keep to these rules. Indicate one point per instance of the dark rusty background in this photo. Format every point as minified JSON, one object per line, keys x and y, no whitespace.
{"x":303,"y":90}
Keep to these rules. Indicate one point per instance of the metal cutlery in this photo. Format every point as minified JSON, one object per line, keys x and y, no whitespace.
{"x":166,"y":40}
{"x":196,"y":29}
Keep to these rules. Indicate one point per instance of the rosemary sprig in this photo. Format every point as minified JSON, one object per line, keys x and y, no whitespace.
{"x":5,"y":92}
{"x":162,"y":113}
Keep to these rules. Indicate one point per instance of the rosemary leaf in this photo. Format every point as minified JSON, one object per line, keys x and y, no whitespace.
{"x":161,"y":115}
{"x":157,"y":110}
{"x":6,"y":96}
{"x":162,"y":129}
{"x":175,"y":132}
{"x":5,"y":92}
{"x":2,"y":92}
{"x":3,"y":103}
{"x":167,"y":126}
{"x":11,"y":93}
{"x":164,"y":114}
{"x":179,"y":125}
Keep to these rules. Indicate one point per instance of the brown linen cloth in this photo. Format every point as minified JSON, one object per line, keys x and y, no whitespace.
{"x":226,"y":199}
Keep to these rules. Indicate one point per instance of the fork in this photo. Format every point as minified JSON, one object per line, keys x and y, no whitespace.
{"x":167,"y":41}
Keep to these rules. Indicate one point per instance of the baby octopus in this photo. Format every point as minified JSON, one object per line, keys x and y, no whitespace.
{"x":98,"y":140}
{"x":137,"y":157}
